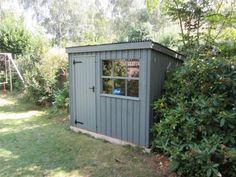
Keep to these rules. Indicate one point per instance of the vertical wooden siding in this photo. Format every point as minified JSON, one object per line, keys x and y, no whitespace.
{"x":72,"y":86}
{"x":160,"y":63}
{"x":120,"y":118}
{"x":123,"y":118}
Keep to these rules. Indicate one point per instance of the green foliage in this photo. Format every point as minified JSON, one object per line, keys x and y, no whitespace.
{"x":138,"y":33}
{"x":151,"y":5}
{"x":203,"y":24}
{"x":41,"y":67}
{"x":41,"y":78}
{"x":14,"y":37}
{"x":61,"y":97}
{"x":39,"y":87}
{"x":131,"y":23}
{"x":170,"y":41}
{"x":227,"y":47}
{"x":196,"y":118}
{"x":72,"y":21}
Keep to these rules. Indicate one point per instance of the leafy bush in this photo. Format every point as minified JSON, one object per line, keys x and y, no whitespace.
{"x":170,"y":40}
{"x":41,"y":78}
{"x":136,"y":33}
{"x":14,"y":37}
{"x":196,"y":118}
{"x":61,"y":98}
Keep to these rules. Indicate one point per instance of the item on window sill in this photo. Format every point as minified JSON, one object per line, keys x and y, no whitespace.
{"x":117,"y":91}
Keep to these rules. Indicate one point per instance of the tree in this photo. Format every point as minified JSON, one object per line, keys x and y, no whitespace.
{"x":201,"y":22}
{"x":130,"y":22}
{"x":76,"y":21}
{"x":137,"y":33}
{"x":58,"y":22}
{"x":14,"y":37}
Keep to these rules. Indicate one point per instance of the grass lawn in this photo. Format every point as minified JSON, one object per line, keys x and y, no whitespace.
{"x":34,"y":142}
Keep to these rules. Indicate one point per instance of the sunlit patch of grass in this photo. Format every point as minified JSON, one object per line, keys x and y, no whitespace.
{"x":6,"y":155}
{"x":31,"y":169}
{"x":22,"y":115}
{"x":58,"y":172}
{"x":4,"y":102}
{"x":15,"y":129}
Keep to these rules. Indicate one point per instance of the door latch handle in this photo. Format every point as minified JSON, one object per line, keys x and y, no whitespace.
{"x":92,"y":88}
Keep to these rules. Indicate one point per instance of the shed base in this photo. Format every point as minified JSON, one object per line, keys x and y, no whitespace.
{"x":107,"y":138}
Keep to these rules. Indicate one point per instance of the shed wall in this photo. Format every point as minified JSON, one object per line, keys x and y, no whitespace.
{"x":160,"y":64}
{"x":122,"y":118}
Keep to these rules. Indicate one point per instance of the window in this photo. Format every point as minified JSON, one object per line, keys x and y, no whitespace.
{"x":120,"y":77}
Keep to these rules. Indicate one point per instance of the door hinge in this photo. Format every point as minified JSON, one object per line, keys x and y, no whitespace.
{"x":74,"y":62}
{"x":78,"y":122}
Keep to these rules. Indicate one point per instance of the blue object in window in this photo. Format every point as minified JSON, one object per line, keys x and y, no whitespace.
{"x":116,"y":91}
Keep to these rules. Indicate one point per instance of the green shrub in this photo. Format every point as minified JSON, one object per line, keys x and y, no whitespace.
{"x":61,"y":98}
{"x":196,"y":118}
{"x":41,"y":77}
{"x":14,"y":37}
{"x":39,"y":87}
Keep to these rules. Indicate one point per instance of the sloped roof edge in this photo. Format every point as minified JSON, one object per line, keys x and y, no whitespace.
{"x":132,"y":45}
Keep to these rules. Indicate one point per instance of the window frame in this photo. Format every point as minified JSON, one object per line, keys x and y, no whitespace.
{"x":126,"y":79}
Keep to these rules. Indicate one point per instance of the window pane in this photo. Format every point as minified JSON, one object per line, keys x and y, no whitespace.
{"x":107,"y":86}
{"x":120,"y":68}
{"x":133,"y":68}
{"x":132,"y":88}
{"x":119,"y":87}
{"x":107,"y":68}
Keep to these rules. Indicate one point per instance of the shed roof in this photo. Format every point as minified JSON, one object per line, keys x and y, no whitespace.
{"x":126,"y":46}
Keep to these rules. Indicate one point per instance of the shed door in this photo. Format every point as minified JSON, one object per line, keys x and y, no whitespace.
{"x":85,"y":92}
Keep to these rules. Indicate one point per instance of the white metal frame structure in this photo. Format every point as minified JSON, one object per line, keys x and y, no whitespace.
{"x":8,"y":60}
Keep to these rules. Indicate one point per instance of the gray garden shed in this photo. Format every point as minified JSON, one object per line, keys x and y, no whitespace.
{"x":113,"y":86}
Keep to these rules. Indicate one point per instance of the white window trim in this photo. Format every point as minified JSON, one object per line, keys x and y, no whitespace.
{"x":118,"y":77}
